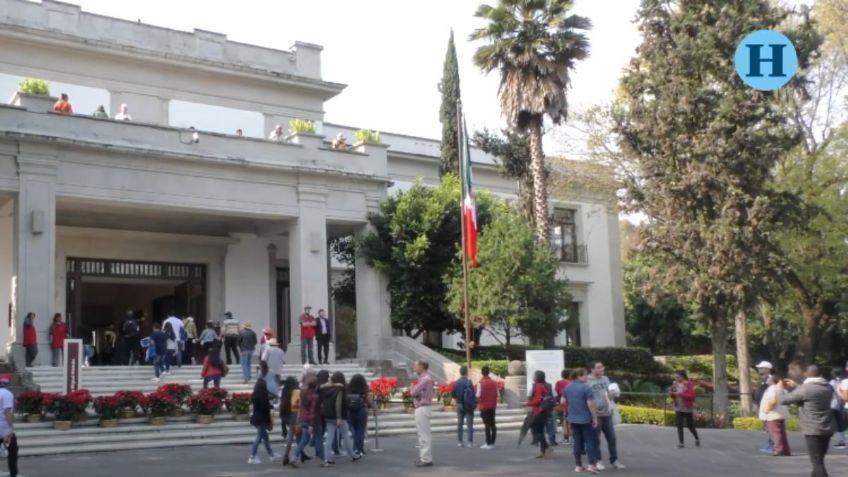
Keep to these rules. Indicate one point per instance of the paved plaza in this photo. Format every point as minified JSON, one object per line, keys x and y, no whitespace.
{"x":647,"y":451}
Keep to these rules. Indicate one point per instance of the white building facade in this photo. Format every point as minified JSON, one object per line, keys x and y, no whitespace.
{"x":98,"y":216}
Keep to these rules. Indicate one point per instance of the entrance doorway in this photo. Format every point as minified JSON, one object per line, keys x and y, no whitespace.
{"x":99,"y":293}
{"x":283,"y":299}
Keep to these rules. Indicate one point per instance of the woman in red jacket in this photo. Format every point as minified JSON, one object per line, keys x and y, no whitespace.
{"x":213,"y":368}
{"x":541,"y":391}
{"x":58,"y":333}
{"x":30,"y":339}
{"x":683,"y":393}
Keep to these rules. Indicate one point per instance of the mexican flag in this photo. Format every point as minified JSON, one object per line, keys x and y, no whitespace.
{"x":469,"y":208}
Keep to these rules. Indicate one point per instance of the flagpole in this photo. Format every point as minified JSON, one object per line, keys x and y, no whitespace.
{"x":468,"y":337}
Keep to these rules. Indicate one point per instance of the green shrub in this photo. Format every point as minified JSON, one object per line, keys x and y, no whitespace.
{"x":301,"y":126}
{"x":631,"y":360}
{"x":34,"y":86}
{"x":645,"y":415}
{"x":364,"y":135}
{"x":497,"y":366}
{"x":754,"y":424}
{"x":700,"y":366}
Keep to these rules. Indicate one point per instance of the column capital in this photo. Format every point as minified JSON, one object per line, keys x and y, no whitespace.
{"x":37,"y":165}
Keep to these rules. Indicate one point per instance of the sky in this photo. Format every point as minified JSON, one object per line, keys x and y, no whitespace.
{"x":390,"y":52}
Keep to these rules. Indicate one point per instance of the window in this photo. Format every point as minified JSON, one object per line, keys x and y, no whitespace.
{"x":572,"y":324}
{"x":564,"y":235}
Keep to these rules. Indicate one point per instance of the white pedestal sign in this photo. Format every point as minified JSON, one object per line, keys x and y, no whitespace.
{"x":551,"y":361}
{"x":72,"y":365}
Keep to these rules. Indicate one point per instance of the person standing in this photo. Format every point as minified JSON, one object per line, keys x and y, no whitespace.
{"x":30,"y":339}
{"x":600,"y":387}
{"x":179,"y":337}
{"x":159,"y":341}
{"x":57,"y":334}
{"x":307,"y":335}
{"x":230,"y":332}
{"x":170,"y":347}
{"x":422,"y":395}
{"x":816,"y":420}
{"x":466,"y":402}
{"x":765,"y":370}
{"x":208,"y":339}
{"x":487,"y":396}
{"x":583,"y":420}
{"x":261,"y":420}
{"x":7,"y":423}
{"x":559,"y":389}
{"x":63,"y":105}
{"x":775,"y":415}
{"x":123,"y":113}
{"x":213,"y":368}
{"x":131,"y":336}
{"x":191,"y":340}
{"x":324,"y":336}
{"x":247,"y":344}
{"x":837,"y":406}
{"x":289,"y":409}
{"x":682,"y":391}
{"x":275,"y":357}
{"x":358,"y":403}
{"x":542,"y":401}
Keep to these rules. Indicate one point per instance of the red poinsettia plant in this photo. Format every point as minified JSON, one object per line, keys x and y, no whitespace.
{"x":29,"y":402}
{"x":239,"y":403}
{"x":107,"y":407}
{"x":219,"y":393}
{"x":160,"y":404}
{"x":205,"y":403}
{"x":445,"y":393}
{"x":180,"y":392}
{"x":67,"y":407}
{"x":382,"y":389}
{"x":130,"y":400}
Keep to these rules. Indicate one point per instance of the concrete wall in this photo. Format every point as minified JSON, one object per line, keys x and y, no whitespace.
{"x":247,"y":290}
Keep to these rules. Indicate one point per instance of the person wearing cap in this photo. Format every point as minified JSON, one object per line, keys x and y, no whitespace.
{"x":307,"y":335}
{"x":230,"y":332}
{"x":765,"y":369}
{"x":247,"y":343}
{"x":7,"y":423}
{"x":275,"y":357}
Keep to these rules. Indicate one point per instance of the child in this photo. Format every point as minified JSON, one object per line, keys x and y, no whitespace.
{"x":213,"y":368}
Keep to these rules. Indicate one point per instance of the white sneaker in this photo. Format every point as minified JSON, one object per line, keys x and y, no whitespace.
{"x":276,"y":456}
{"x":460,"y":444}
{"x":618,"y":465}
{"x":485,"y":447}
{"x":155,"y":379}
{"x":254,"y":460}
{"x":600,"y":466}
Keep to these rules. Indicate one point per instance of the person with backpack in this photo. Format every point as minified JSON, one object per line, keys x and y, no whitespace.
{"x":170,"y":347}
{"x":159,"y":343}
{"x":466,"y":402}
{"x":682,"y":391}
{"x":335,"y":412}
{"x":358,"y":403}
{"x":487,"y":396}
{"x":261,"y":420}
{"x":600,"y":385}
{"x":130,"y":334}
{"x":180,"y":337}
{"x":289,"y":409}
{"x":213,"y":368}
{"x":542,"y":402}
{"x":837,"y":408}
{"x":583,"y":420}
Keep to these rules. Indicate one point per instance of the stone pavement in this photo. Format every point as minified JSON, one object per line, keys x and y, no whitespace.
{"x":647,"y":451}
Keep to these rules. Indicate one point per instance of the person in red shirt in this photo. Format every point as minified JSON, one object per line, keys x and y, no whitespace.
{"x":559,"y":388}
{"x":487,"y":397}
{"x":63,"y":106}
{"x":30,"y":339}
{"x":213,"y":368}
{"x":541,"y":391}
{"x":307,"y":335}
{"x":58,"y":333}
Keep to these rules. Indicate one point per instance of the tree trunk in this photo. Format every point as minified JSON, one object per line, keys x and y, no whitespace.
{"x":540,"y":188}
{"x":743,"y":360}
{"x":718,"y":329}
{"x":508,"y":342}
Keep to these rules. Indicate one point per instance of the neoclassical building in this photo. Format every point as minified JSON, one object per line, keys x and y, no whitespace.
{"x":98,"y":216}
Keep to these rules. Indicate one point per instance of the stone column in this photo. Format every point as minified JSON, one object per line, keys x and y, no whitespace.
{"x":373,"y":320}
{"x":307,"y":263}
{"x":35,"y":249}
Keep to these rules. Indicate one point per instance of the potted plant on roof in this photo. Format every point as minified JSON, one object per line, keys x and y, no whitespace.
{"x":67,"y":408}
{"x":239,"y":405}
{"x":107,"y":409}
{"x":34,"y":95}
{"x":159,"y":405}
{"x":205,"y":405}
{"x":366,"y":136}
{"x":304,"y":132}
{"x":30,"y":405}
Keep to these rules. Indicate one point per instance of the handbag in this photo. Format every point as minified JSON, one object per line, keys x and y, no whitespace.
{"x":270,"y":425}
{"x":298,"y":430}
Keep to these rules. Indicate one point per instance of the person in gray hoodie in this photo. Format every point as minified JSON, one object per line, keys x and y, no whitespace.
{"x":816,"y":420}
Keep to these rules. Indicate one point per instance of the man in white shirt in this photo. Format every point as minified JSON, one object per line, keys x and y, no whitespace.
{"x":177,"y":326}
{"x":123,"y":114}
{"x":7,"y":423}
{"x":277,"y":134}
{"x":275,"y":357}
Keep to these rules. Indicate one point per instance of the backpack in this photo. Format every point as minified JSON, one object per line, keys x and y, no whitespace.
{"x":328,"y":403}
{"x":548,"y":401}
{"x":468,"y":399}
{"x":355,"y":402}
{"x":130,"y":328}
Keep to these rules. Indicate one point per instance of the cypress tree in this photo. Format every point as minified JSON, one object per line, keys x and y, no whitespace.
{"x":449,"y":87}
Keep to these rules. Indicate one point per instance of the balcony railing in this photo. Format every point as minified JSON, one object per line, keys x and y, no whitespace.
{"x":576,"y":254}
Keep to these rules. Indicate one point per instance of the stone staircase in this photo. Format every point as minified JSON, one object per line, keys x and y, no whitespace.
{"x":136,"y":433}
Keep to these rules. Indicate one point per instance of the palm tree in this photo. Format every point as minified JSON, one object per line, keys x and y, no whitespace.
{"x":534,"y":44}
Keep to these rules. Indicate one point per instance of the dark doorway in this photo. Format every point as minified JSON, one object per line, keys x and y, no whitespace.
{"x":283,"y":331}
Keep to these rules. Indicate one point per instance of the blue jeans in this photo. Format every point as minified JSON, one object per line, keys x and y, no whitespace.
{"x":550,"y":429}
{"x":169,"y":356}
{"x":261,"y":436}
{"x":245,"y":364}
{"x":306,"y":350}
{"x":585,"y":439}
{"x":344,"y":432}
{"x":158,"y":364}
{"x":606,"y":427}
{"x":358,"y":422}
{"x":305,"y":438}
{"x":466,"y":418}
{"x":215,"y":380}
{"x":178,"y":361}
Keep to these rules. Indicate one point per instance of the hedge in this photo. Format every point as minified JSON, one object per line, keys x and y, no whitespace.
{"x":754,"y":424}
{"x":496,"y":366}
{"x":645,"y":415}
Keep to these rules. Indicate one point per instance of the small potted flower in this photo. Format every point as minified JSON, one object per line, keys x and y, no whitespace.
{"x":180,"y":393}
{"x":445,"y":393}
{"x":219,"y":393}
{"x":159,"y":405}
{"x":129,"y":402}
{"x":408,"y":403}
{"x":29,"y":404}
{"x":67,"y":408}
{"x":381,"y":390}
{"x":107,"y":409}
{"x":239,"y":405}
{"x":204,"y":405}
